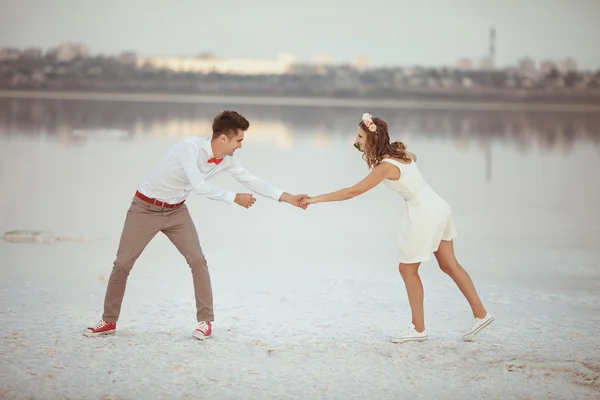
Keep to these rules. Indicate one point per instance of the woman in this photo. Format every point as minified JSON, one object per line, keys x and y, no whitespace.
{"x":427,"y":226}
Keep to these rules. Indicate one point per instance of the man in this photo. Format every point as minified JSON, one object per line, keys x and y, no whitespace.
{"x":158,"y":206}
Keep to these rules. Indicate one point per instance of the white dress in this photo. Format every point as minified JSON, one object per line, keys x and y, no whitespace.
{"x":427,"y":218}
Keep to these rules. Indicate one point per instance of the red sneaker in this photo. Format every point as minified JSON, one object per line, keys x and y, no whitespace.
{"x":101,"y":328}
{"x":203,"y":330}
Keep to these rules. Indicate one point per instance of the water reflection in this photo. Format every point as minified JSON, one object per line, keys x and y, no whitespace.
{"x":473,"y":158}
{"x":75,"y":122}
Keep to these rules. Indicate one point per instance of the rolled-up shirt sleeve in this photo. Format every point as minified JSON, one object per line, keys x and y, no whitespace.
{"x":187,"y":153}
{"x":252,"y":182}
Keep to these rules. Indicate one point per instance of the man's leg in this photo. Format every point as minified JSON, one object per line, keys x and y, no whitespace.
{"x":142,"y":223}
{"x":180,"y":230}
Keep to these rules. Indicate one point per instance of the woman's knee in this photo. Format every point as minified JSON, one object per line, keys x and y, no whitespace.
{"x":446,"y":260}
{"x":448,"y":266}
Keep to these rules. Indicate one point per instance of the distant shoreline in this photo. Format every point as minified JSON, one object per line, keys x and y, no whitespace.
{"x":303,"y":101}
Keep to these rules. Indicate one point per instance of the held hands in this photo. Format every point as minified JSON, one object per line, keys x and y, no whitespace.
{"x":306,"y":201}
{"x":294,"y":199}
{"x":246,"y":200}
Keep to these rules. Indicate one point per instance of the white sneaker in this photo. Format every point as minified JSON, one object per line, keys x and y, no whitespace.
{"x":478,"y":325}
{"x":411,"y":335}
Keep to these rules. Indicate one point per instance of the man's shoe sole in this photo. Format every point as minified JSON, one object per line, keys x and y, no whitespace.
{"x":200,"y":336}
{"x":94,"y":334}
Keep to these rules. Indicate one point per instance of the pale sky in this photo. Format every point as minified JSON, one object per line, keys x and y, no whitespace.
{"x":389,"y":32}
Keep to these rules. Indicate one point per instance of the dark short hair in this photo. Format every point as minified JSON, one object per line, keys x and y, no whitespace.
{"x":229,"y":122}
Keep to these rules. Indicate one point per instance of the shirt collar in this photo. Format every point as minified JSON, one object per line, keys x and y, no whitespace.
{"x":208,"y":148}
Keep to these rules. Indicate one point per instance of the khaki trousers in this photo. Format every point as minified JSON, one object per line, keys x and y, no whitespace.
{"x":142,"y":223}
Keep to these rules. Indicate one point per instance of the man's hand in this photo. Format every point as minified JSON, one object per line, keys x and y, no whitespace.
{"x":295,"y":200}
{"x":244,"y":199}
{"x":305,"y":202}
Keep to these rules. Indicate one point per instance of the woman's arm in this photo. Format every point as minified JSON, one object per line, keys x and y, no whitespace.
{"x":376,"y":176}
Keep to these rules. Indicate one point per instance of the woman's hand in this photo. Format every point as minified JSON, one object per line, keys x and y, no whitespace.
{"x":308,"y":200}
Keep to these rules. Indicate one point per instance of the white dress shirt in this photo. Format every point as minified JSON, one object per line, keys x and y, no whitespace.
{"x":185,"y":168}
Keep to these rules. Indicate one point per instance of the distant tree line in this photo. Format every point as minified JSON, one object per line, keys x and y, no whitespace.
{"x":35,"y":71}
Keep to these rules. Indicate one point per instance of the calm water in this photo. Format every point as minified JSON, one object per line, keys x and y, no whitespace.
{"x":523,"y":186}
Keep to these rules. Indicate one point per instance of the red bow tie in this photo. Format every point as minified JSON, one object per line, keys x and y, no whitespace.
{"x":215,"y":160}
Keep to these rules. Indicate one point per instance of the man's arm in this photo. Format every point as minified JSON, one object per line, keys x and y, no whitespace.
{"x":260,"y":186}
{"x":187,"y":154}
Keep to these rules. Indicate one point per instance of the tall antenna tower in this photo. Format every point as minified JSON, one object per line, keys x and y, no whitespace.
{"x":493,"y":46}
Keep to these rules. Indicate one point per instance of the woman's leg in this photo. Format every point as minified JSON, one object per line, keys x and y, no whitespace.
{"x":448,"y":263}
{"x":414,"y":289}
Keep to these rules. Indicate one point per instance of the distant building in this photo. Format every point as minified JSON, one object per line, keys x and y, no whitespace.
{"x":360,"y":63}
{"x":323,"y":60}
{"x":66,"y":52}
{"x":128,"y":57}
{"x":8,"y":54}
{"x":464,"y":64}
{"x":486,"y":63}
{"x":207,"y":64}
{"x":33,"y":53}
{"x":547,"y":67}
{"x":527,"y":68}
{"x":567,"y":65}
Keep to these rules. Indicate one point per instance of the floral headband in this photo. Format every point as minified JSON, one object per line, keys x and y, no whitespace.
{"x":367,"y":119}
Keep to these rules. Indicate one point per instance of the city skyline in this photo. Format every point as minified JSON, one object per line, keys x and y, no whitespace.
{"x":403,"y":33}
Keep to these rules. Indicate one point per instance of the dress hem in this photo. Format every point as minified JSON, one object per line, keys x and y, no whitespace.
{"x":430,"y":256}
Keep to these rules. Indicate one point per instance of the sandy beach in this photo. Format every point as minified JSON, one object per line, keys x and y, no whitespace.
{"x":305,"y":301}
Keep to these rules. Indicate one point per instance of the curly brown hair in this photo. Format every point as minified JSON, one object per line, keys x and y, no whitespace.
{"x":378,"y":144}
{"x":229,"y":122}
